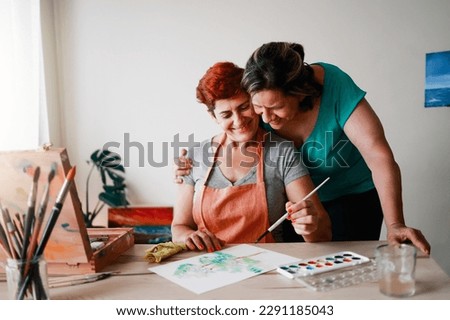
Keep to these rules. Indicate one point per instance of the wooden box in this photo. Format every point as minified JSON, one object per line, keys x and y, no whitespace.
{"x":68,"y":250}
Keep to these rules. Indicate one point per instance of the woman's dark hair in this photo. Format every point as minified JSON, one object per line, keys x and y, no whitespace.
{"x":281,"y":66}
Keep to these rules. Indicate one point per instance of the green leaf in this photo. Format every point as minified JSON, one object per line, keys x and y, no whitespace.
{"x":112,"y":165}
{"x":103,"y":175}
{"x":113,"y":200}
{"x":99,"y":154}
{"x":115,"y":177}
{"x":113,"y":189}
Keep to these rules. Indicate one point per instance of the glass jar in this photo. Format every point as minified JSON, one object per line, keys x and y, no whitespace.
{"x":27,"y":279}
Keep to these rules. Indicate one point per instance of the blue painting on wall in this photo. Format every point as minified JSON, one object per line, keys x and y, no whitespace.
{"x":437,"y":81}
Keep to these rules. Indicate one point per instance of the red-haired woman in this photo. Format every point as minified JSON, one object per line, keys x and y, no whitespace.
{"x":244,"y":179}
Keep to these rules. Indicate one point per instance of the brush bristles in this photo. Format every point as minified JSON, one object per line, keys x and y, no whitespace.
{"x":71,"y":173}
{"x":51,"y":174}
{"x":37,"y":173}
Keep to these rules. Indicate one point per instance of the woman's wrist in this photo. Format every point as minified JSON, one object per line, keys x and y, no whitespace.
{"x":395,"y":225}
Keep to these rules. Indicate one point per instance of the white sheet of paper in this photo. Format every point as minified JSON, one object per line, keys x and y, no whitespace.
{"x":214,"y":270}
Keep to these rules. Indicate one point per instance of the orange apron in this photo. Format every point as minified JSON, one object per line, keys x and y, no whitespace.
{"x":235,"y":214}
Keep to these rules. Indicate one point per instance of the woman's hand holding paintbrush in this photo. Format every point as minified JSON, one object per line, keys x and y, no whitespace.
{"x":284,"y":217}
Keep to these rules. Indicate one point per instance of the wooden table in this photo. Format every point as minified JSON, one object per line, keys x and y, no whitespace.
{"x":431,"y":280}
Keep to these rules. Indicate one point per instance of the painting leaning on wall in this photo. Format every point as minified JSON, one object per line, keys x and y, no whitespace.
{"x":437,"y":79}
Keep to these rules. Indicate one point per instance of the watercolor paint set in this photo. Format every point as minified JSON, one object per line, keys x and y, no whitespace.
{"x":332,"y":271}
{"x":330,"y":262}
{"x":366,"y":272}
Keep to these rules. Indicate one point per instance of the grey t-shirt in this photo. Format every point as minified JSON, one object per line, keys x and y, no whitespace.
{"x":282,"y":165}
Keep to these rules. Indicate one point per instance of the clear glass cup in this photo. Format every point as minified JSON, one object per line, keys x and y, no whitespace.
{"x":396,"y":266}
{"x":27,"y":279}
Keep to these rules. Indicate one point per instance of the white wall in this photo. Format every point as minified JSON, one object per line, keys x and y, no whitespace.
{"x":132,"y":67}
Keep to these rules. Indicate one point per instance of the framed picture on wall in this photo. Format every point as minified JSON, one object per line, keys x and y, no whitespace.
{"x":437,"y":79}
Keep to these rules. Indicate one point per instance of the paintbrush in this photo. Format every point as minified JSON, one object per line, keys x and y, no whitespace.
{"x":81,"y":280}
{"x":30,"y":215}
{"x":18,"y":224}
{"x":7,"y":221}
{"x":17,"y":234}
{"x":4,"y":242}
{"x":13,"y":238}
{"x":22,"y":220}
{"x":78,"y":277}
{"x":39,"y":219}
{"x":49,"y":227}
{"x":55,"y":211}
{"x":279,"y":221}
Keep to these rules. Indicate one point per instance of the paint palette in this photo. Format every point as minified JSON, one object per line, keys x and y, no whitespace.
{"x":330,"y":262}
{"x":366,"y":272}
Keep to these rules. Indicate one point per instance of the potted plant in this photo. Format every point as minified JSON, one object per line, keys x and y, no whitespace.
{"x":112,"y":173}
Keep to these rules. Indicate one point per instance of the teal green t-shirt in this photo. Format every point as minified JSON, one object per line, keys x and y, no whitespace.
{"x":328,"y":152}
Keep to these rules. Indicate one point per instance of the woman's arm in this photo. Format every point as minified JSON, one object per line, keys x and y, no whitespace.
{"x":183,"y":223}
{"x":184,"y":228}
{"x":309,"y":217}
{"x":365,"y":131}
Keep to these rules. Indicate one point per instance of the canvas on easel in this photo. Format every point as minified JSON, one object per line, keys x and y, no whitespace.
{"x":69,"y":248}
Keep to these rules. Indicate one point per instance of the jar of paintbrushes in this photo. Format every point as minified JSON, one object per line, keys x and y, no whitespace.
{"x":23,"y":242}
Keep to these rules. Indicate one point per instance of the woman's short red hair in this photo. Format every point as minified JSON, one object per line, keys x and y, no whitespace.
{"x":221,"y":81}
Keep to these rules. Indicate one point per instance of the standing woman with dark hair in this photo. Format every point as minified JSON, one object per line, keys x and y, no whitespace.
{"x":325,"y":114}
